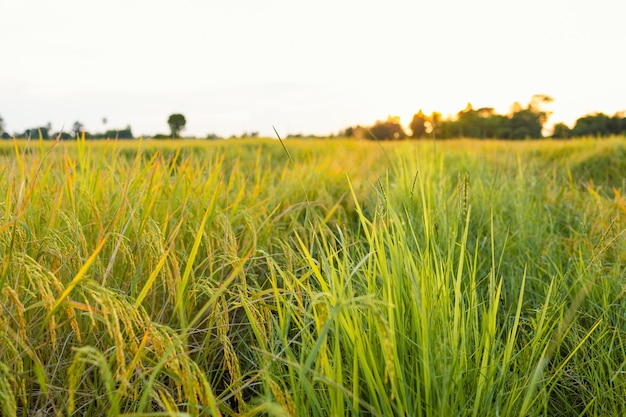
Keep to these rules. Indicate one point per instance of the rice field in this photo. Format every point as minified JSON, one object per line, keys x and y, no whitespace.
{"x":336,"y":277}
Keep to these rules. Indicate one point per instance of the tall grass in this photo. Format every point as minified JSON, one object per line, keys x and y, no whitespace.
{"x":342,"y":278}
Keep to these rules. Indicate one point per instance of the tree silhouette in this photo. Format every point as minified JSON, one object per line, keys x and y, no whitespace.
{"x":596,"y":124}
{"x":77,"y":128}
{"x":561,"y":131}
{"x":388,"y":129}
{"x":177,"y":123}
{"x":525,"y":124}
{"x":469,"y":122}
{"x":418,"y":125}
{"x":433,"y":124}
{"x":536,"y":105}
{"x":617,"y":124}
{"x":42,"y":132}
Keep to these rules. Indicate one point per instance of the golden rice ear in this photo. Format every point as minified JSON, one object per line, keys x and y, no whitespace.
{"x":284,"y":399}
{"x":8,"y":405}
{"x":11,"y":295}
{"x":463,"y":194}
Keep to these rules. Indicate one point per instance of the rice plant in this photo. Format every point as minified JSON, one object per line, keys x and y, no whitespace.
{"x":334,"y":278}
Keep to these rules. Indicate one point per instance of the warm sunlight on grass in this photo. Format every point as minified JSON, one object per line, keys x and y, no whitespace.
{"x":363,"y":278}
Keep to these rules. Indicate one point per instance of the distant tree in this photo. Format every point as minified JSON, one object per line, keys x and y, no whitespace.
{"x":537,"y":105}
{"x":525,"y":124}
{"x":356,"y":132}
{"x":388,"y":129}
{"x":212,"y":136}
{"x":596,"y":124}
{"x":104,"y":124}
{"x":433,"y":125}
{"x":501,"y":125}
{"x":177,"y":123}
{"x":37,"y":132}
{"x":418,"y":125}
{"x":617,"y":124}
{"x":62,"y":136}
{"x":469,"y":122}
{"x":561,"y":131}
{"x":77,"y":128}
{"x":1,"y":125}
{"x":126,"y":133}
{"x":522,"y":122}
{"x":161,"y":136}
{"x":245,"y":135}
{"x":449,"y":129}
{"x":488,"y":123}
{"x":486,"y":112}
{"x":348,"y":132}
{"x":516,"y":107}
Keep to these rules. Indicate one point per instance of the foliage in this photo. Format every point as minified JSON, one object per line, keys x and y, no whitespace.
{"x":78,"y":128}
{"x":521,"y":123}
{"x":348,"y":278}
{"x":561,"y":131}
{"x":176,"y":123}
{"x":162,"y":136}
{"x":125,"y":133}
{"x":65,"y":135}
{"x":387,"y":129}
{"x":525,"y":124}
{"x":484,"y":123}
{"x":433,"y":125}
{"x":356,"y":132}
{"x":600,"y":124}
{"x":418,"y":125}
{"x":119,"y":134}
{"x":37,"y":132}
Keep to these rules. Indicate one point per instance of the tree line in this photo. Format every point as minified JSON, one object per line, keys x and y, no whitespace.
{"x":46,"y":132}
{"x":522,"y":122}
{"x":176,"y":123}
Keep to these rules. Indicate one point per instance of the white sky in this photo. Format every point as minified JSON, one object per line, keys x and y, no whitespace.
{"x":303,"y":66}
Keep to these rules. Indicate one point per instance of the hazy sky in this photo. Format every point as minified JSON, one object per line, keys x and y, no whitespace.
{"x":303,"y":66}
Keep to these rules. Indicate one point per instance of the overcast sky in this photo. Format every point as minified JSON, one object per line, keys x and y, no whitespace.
{"x":303,"y":66}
